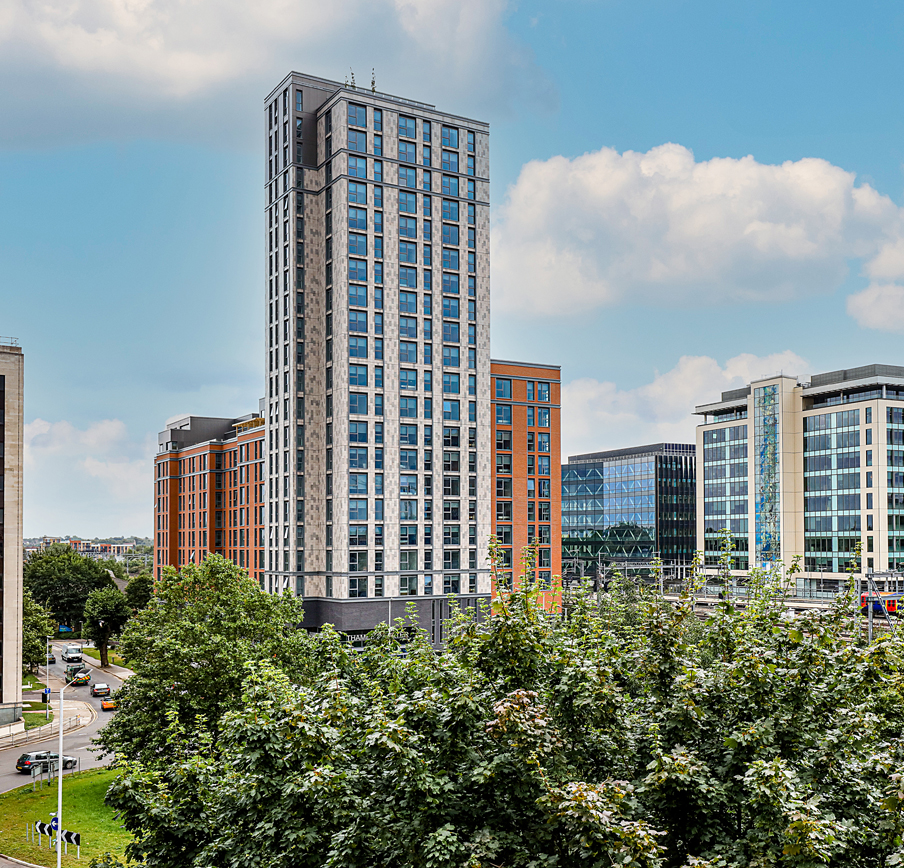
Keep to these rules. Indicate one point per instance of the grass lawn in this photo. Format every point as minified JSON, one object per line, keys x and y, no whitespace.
{"x":35,"y":718}
{"x":33,"y":714}
{"x":115,"y":659}
{"x":83,"y":811}
{"x":31,"y":682}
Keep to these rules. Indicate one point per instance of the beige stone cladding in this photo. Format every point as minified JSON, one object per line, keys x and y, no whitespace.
{"x":12,"y":379}
{"x":317,"y":152}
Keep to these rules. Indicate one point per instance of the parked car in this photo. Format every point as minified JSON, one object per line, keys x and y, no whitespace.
{"x":72,"y":654}
{"x":108,"y":705}
{"x":100,"y":689}
{"x":43,"y":760}
{"x":82,"y":679}
{"x":51,"y":658}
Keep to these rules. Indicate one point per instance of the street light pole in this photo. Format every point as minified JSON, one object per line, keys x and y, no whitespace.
{"x":47,"y":678}
{"x":59,"y":812}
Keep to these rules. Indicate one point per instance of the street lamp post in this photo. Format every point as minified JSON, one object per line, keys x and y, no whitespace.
{"x":47,"y":678}
{"x":59,"y":812}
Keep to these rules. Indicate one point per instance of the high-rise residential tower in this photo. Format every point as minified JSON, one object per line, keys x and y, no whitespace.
{"x":12,"y":379}
{"x":378,"y":349}
{"x":806,"y":470}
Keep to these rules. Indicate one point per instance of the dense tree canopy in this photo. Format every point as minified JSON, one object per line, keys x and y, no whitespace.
{"x":37,"y":625}
{"x":629,"y":733}
{"x":190,"y":650}
{"x":116,"y":568}
{"x":60,"y":579}
{"x":106,"y":613}
{"x":140,"y":590}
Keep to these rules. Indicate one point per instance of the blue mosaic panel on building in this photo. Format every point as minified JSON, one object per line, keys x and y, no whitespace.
{"x":766,"y":474}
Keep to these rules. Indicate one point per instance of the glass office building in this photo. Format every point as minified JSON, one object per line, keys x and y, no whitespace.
{"x":628,"y":505}
{"x":806,"y":471}
{"x":724,"y":493}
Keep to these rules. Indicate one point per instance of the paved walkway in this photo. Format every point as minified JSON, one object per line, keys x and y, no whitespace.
{"x":77,"y":715}
{"x":6,"y":862}
{"x":119,"y":671}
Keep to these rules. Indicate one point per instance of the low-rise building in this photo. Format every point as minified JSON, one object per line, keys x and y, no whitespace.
{"x":100,"y":551}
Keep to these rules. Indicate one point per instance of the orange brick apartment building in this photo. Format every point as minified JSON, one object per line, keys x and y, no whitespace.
{"x":211,"y":477}
{"x":210,"y":492}
{"x":526,"y":461}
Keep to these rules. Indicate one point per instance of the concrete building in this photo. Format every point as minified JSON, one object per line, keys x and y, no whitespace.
{"x":210,"y":492}
{"x":99,"y":551}
{"x":628,"y":506}
{"x":527,"y":487}
{"x":12,"y":397}
{"x":378,"y":332}
{"x":806,"y":470}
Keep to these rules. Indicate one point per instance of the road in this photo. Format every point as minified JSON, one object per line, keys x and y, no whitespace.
{"x":75,"y":744}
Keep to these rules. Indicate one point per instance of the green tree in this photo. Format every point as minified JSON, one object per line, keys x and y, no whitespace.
{"x":629,"y":733}
{"x":140,"y":590}
{"x":118,"y":569}
{"x":37,"y":625}
{"x":106,"y":613}
{"x":136,"y":566}
{"x":189,"y":650}
{"x":61,"y":579}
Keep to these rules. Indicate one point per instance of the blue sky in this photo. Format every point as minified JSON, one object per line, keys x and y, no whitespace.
{"x":686,"y":194}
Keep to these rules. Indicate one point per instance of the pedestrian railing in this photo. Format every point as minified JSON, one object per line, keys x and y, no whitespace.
{"x":41,"y":732}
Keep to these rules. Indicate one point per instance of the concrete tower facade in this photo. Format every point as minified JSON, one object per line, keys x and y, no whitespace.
{"x":12,"y":396}
{"x":378,"y":349}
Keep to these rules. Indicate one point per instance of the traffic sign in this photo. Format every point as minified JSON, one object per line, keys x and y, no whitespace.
{"x":47,"y":691}
{"x":55,"y":823}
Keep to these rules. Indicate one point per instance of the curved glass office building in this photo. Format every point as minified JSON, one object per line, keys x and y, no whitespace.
{"x":628,"y":505}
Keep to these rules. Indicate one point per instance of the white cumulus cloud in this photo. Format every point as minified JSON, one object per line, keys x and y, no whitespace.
{"x":659,"y":227}
{"x":150,"y":61}
{"x":597,"y":415}
{"x":88,"y":481}
{"x":879,"y":306}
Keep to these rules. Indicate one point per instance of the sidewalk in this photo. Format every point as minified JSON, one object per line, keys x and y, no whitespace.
{"x":78,"y":715}
{"x":119,"y":671}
